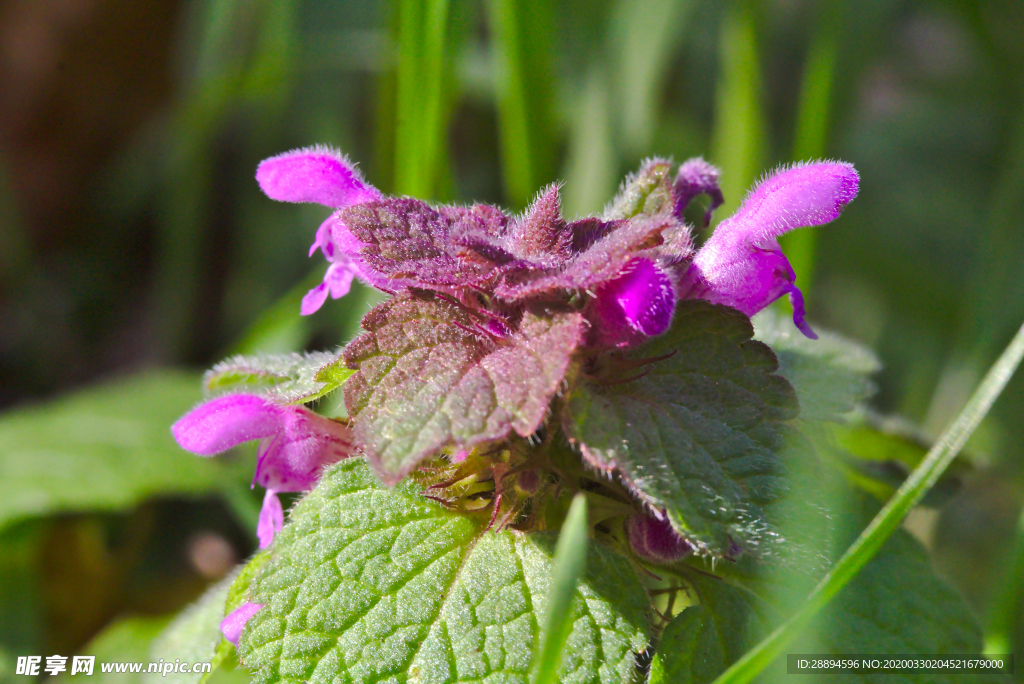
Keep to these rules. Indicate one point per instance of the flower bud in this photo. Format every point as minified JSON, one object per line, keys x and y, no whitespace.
{"x":528,"y":482}
{"x":655,"y":541}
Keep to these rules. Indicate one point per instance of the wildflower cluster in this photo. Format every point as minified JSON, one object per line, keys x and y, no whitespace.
{"x":520,"y":358}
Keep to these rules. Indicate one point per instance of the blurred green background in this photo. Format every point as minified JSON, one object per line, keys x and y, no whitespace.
{"x":133,"y":237}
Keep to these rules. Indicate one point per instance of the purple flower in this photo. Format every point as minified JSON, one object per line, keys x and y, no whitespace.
{"x":741,"y":265}
{"x":654,"y":540}
{"x":231,"y":626}
{"x":297,"y":445}
{"x":637,"y":303}
{"x":324,"y":176}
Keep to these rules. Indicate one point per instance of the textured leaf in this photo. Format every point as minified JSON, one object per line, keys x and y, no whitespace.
{"x":648,"y":191}
{"x":899,"y":604}
{"x":896,"y":605}
{"x":700,"y":434}
{"x":425,"y":380}
{"x":831,"y":375}
{"x":704,"y":639}
{"x":288,"y":378}
{"x":371,"y":584}
{"x":408,"y":243}
{"x":104,"y":448}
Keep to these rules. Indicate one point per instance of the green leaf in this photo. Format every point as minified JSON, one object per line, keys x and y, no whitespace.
{"x":103,"y":448}
{"x":898,"y":604}
{"x":879,"y":452}
{"x":425,"y":380}
{"x":289,"y":378}
{"x":368,"y":583}
{"x":700,"y":434}
{"x":704,"y":639}
{"x":647,"y":191}
{"x":193,"y":636}
{"x":831,"y":375}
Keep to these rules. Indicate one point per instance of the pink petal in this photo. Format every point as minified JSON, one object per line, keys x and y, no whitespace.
{"x":339,"y":277}
{"x":314,"y":174}
{"x":231,"y":626}
{"x":227,"y":421}
{"x":742,"y":265}
{"x":323,"y":240}
{"x":271,"y":519}
{"x":802,"y":195}
{"x":314,"y":299}
{"x":293,"y":460}
{"x":636,"y":304}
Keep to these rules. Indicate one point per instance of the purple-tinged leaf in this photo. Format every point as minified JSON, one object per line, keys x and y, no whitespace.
{"x":429,"y":376}
{"x":541,"y":233}
{"x":605,"y":260}
{"x":407,"y":243}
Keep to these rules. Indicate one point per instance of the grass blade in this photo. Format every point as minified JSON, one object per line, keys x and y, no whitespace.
{"x":645,"y":34}
{"x":591,"y":167}
{"x":738,"y":139}
{"x":420,"y":115}
{"x":523,"y":43}
{"x":1004,"y":604}
{"x":570,"y":561}
{"x":812,"y":124}
{"x":888,"y":519}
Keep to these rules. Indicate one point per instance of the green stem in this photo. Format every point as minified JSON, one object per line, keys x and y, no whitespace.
{"x":887,"y":520}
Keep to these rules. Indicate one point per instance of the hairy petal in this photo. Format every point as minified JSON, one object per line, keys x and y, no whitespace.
{"x":314,"y":174}
{"x":697,"y":177}
{"x":232,"y":625}
{"x":636,"y":304}
{"x":271,"y":519}
{"x":292,"y":460}
{"x":742,"y":265}
{"x":227,"y":421}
